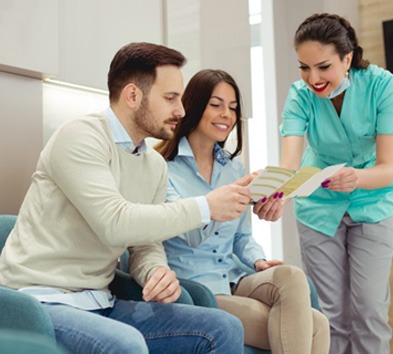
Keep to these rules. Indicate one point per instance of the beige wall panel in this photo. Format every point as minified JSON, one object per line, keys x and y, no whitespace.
{"x":20,"y":137}
{"x":372,"y":13}
{"x":91,"y":32}
{"x":28,"y":37}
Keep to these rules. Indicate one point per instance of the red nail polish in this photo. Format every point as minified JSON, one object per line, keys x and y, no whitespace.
{"x":264,"y":199}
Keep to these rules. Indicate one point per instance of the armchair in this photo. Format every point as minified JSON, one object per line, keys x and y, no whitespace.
{"x":25,"y":326}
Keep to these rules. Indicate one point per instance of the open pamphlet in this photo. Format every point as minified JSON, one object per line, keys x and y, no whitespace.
{"x":294,"y":183}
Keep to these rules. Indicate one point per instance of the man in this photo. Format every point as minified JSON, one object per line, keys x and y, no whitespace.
{"x":99,"y":189}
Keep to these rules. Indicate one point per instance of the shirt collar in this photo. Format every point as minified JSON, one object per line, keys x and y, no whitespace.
{"x":120,"y":135}
{"x":220,"y":155}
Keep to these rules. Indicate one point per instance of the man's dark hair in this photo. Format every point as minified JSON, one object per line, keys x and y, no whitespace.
{"x":137,"y":62}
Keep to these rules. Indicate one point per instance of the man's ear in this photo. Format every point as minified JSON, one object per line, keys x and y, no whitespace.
{"x":132,"y":95}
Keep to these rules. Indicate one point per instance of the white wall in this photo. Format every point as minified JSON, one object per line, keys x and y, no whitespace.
{"x":71,"y":40}
{"x":28,"y":37}
{"x":91,"y":32}
{"x":20,"y":137}
{"x":213,"y":34}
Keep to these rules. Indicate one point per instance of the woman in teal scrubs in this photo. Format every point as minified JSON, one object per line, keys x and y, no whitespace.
{"x":345,"y":107}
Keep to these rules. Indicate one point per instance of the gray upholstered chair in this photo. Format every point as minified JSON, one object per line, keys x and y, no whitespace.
{"x":25,"y":326}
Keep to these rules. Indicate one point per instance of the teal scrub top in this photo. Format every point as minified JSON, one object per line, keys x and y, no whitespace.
{"x":350,"y":138}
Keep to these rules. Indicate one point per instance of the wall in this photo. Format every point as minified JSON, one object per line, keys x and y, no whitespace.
{"x":91,"y":32}
{"x":70,"y":40}
{"x":372,"y":13}
{"x":20,"y":137}
{"x":28,"y":37}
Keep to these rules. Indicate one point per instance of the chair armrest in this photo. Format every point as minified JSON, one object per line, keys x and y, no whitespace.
{"x":200,"y":294}
{"x":22,"y":342}
{"x":23,"y":312}
{"x":313,"y":294}
{"x":126,"y":288}
{"x":241,"y":265}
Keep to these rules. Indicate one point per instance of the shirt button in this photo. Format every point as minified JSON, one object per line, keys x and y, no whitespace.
{"x":224,"y":275}
{"x":214,"y":251}
{"x":216,"y":233}
{"x":220,"y":260}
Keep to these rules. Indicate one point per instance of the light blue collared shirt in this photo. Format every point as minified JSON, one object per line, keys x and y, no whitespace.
{"x":120,"y":135}
{"x":85,"y":300}
{"x":205,"y":254}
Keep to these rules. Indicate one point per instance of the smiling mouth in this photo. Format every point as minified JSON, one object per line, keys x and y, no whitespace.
{"x":320,"y":87}
{"x":221,"y":127}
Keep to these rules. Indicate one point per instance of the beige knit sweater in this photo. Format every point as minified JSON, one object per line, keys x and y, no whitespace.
{"x":89,"y":200}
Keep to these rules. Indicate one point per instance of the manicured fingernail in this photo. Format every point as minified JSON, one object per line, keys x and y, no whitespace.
{"x":263,"y":200}
{"x":325,"y":184}
{"x":275,"y":196}
{"x":281,"y":195}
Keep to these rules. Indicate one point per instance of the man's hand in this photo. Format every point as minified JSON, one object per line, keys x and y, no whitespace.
{"x":228,"y":202}
{"x":261,"y":264}
{"x":162,"y":286}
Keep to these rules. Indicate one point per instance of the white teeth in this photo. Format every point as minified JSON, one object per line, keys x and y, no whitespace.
{"x":221,"y":126}
{"x":320,"y":85}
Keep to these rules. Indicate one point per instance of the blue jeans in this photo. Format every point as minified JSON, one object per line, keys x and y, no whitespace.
{"x":140,"y":327}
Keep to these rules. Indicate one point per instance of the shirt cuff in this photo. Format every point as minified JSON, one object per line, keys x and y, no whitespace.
{"x":203,"y":209}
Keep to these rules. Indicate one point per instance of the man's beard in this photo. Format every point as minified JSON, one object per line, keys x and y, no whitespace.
{"x":145,"y":121}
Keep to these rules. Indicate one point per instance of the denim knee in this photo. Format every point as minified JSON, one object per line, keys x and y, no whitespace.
{"x":134,"y":344}
{"x":230,"y":332}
